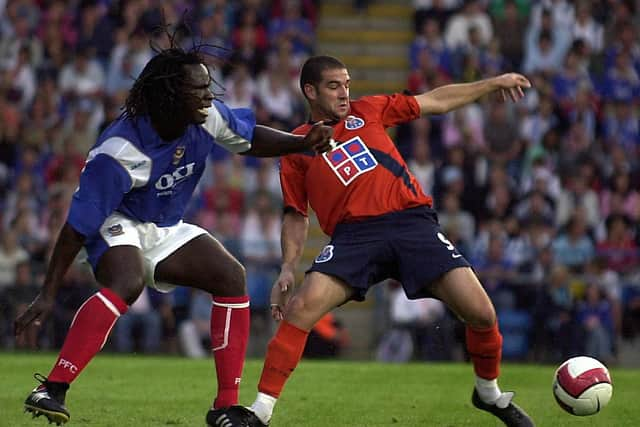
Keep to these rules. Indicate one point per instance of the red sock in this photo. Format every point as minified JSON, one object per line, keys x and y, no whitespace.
{"x":283,"y":354}
{"x":88,"y":333}
{"x":229,"y":336}
{"x":485,"y":348}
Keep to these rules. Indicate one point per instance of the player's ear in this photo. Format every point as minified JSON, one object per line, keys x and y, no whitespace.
{"x":310,"y":91}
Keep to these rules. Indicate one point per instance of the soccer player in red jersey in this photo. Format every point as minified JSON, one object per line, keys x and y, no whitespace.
{"x":381,"y":225}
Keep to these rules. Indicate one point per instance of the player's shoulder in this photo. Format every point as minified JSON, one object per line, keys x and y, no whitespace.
{"x":120,"y":141}
{"x":303,"y":129}
{"x":369,"y":101}
{"x":368,"y":104}
{"x":122,"y":128}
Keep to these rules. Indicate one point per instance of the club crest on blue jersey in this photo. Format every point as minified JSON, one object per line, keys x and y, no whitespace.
{"x":115,"y":230}
{"x":350,"y":160}
{"x":353,"y":122}
{"x":325,"y":255}
{"x":178,"y":155}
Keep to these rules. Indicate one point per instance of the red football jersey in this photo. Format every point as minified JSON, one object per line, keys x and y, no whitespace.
{"x":364,"y":176}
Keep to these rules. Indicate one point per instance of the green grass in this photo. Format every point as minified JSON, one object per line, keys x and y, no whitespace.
{"x":166,"y":391}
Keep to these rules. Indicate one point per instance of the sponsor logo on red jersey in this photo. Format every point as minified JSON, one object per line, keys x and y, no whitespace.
{"x":350,"y":160}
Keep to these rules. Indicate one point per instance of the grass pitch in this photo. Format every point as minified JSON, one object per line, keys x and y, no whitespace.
{"x":170,"y":391}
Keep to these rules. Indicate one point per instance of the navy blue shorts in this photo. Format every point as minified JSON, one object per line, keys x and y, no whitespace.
{"x":407,"y":246}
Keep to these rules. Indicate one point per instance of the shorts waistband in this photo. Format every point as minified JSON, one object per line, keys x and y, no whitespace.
{"x":384,"y":218}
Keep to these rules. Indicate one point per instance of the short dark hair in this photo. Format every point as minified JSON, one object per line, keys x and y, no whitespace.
{"x":313,"y":67}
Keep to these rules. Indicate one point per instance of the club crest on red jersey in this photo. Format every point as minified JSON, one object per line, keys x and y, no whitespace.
{"x":350,"y":160}
{"x":353,"y":122}
{"x":325,"y":255}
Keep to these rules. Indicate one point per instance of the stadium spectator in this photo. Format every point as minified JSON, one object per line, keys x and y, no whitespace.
{"x":426,"y":75}
{"x":421,"y":164}
{"x":586,"y":28}
{"x":495,"y":271}
{"x":250,"y":27}
{"x":618,"y":248}
{"x":240,"y":88}
{"x":21,"y":80}
{"x":11,"y":255}
{"x":561,"y":13}
{"x":438,"y":10}
{"x":608,"y":281}
{"x":408,"y":336}
{"x":534,"y":127}
{"x":133,"y":233}
{"x":451,"y":216}
{"x":464,"y":127}
{"x":458,"y":26}
{"x":554,"y":313}
{"x":141,"y":327}
{"x":504,"y":147}
{"x":576,"y":195}
{"x":628,"y":197}
{"x":274,"y":93}
{"x":351,"y":221}
{"x":82,"y":77}
{"x":328,"y":338}
{"x":15,"y":298}
{"x":260,"y":246}
{"x":430,"y":41}
{"x":574,"y":248}
{"x":545,"y":45}
{"x":595,"y":316}
{"x":293,"y":27}
{"x":508,"y":29}
{"x":193,"y":332}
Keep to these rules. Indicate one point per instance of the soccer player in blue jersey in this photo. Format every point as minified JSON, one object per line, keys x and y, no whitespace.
{"x":127,"y":214}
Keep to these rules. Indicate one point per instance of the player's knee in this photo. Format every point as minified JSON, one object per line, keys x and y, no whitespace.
{"x":296,"y":305}
{"x":128,"y":289}
{"x":237,"y":279}
{"x":482,"y":317}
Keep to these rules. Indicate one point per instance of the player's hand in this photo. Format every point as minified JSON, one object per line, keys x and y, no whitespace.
{"x":319,"y":138}
{"x":35,"y":314}
{"x":511,"y":86}
{"x":280,"y":293}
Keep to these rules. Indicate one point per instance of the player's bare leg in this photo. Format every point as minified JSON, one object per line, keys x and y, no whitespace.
{"x":120,"y":271}
{"x":318,"y":295}
{"x":205,"y":264}
{"x":461,"y":290}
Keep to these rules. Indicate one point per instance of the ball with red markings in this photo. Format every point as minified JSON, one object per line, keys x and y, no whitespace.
{"x":582,"y":386}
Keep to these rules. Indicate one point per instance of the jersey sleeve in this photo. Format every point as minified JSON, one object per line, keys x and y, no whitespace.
{"x":231,"y":128}
{"x":393,"y":110}
{"x":103,"y":183}
{"x":292,"y":176}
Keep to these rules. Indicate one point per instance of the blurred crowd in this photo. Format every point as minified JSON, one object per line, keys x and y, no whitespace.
{"x":543,"y":196}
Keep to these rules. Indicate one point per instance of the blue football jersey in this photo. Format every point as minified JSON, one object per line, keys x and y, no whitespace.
{"x":133,"y":171}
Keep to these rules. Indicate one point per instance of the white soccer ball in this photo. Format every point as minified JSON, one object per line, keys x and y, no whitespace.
{"x":582,"y":386}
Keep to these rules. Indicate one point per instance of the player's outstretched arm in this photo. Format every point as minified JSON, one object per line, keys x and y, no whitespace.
{"x":450,"y":97}
{"x":66,"y":248}
{"x":270,"y":142}
{"x":292,"y":239}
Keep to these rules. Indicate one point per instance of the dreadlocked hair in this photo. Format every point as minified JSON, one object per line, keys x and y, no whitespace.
{"x":159,"y":89}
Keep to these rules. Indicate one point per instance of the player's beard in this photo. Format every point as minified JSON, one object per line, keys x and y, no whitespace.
{"x":338,"y":113}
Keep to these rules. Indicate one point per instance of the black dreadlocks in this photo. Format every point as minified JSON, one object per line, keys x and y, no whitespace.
{"x":159,"y":90}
